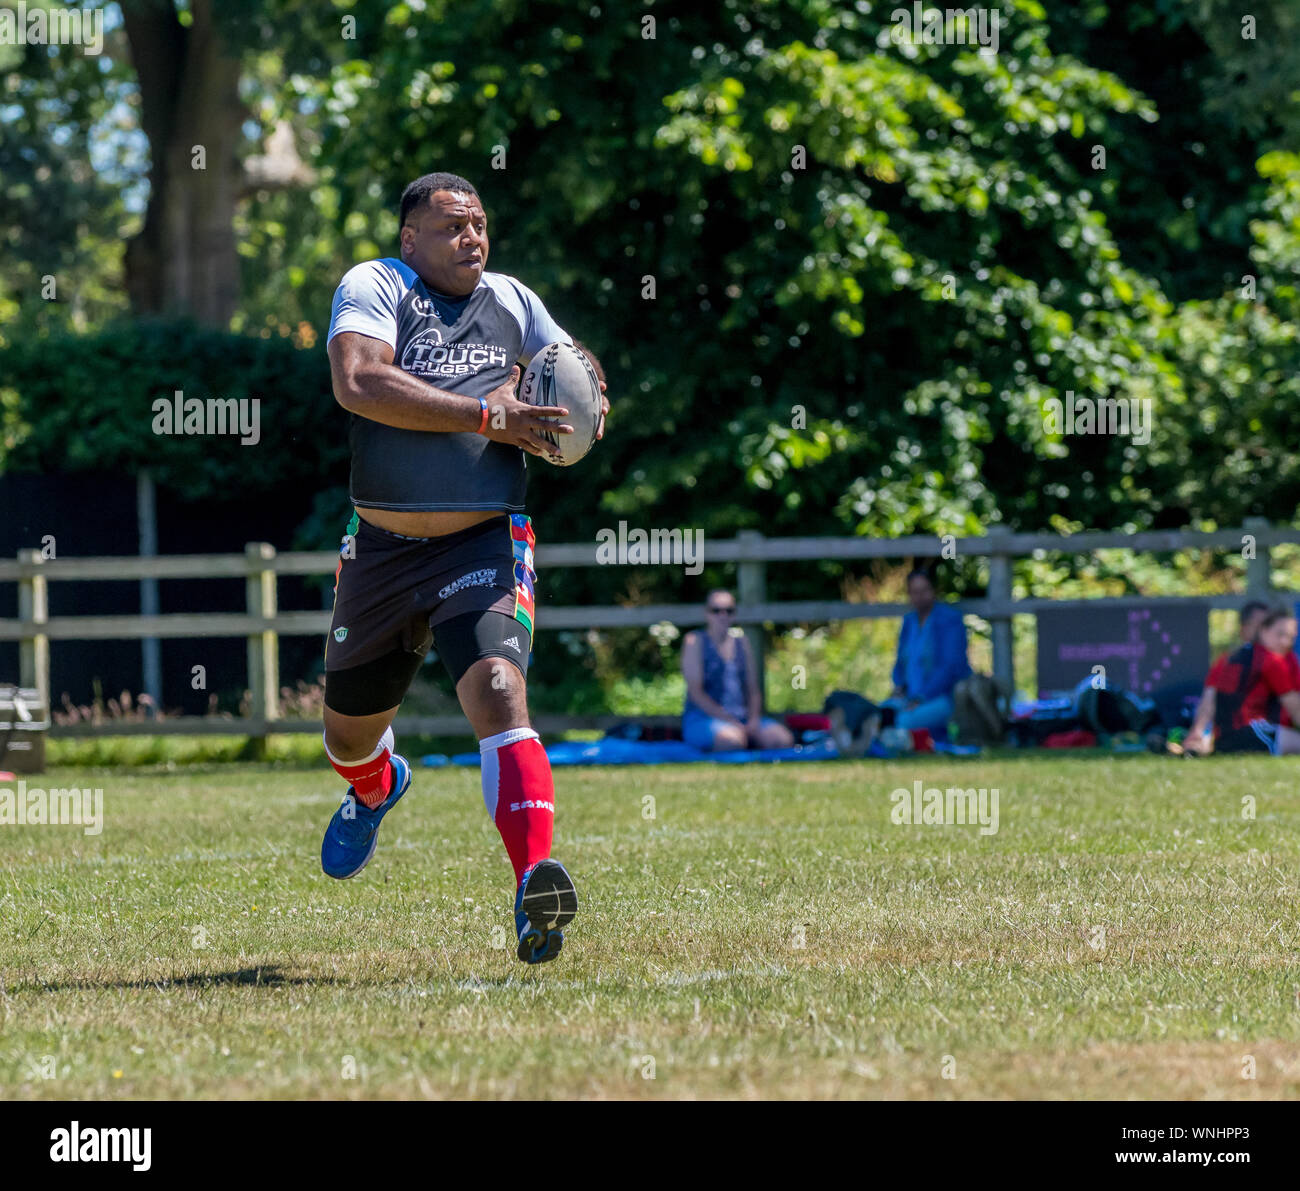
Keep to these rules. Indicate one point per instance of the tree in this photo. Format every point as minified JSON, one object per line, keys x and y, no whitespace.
{"x":836,"y":275}
{"x":63,"y":194}
{"x":183,"y":260}
{"x":181,"y":65}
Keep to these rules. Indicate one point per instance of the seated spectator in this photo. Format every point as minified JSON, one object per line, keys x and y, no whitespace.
{"x":1226,"y":685}
{"x":931,"y":660}
{"x":724,"y":706}
{"x":1267,"y":699}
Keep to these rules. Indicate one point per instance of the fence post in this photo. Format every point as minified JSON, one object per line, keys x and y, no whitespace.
{"x":263,"y":646}
{"x":34,"y":606}
{"x":751,"y":588}
{"x":146,"y":516}
{"x":1259,"y":570}
{"x":1004,"y":666}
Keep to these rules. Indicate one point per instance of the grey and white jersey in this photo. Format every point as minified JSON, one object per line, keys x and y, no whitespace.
{"x":461,"y":345}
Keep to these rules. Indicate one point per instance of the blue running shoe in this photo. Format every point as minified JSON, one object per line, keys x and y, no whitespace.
{"x":353,"y":832}
{"x":547,"y":901}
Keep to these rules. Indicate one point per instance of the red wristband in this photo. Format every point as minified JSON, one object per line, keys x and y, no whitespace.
{"x":483,"y":423}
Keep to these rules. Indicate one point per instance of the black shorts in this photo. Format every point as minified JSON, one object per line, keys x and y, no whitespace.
{"x":1259,"y":736}
{"x":471,"y":592}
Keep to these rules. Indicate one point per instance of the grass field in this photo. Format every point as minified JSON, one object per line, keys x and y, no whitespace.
{"x":745,"y":932}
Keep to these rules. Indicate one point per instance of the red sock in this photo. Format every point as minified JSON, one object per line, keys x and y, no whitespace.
{"x":372,"y":779}
{"x":519,"y":795}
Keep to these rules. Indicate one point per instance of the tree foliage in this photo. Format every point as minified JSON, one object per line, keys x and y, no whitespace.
{"x":836,"y":277}
{"x":90,"y":403}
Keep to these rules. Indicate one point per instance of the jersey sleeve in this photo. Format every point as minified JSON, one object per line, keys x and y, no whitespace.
{"x":1218,"y":676}
{"x":1279,"y":672}
{"x":366,"y":302}
{"x":1292,"y":667}
{"x":539,"y":328}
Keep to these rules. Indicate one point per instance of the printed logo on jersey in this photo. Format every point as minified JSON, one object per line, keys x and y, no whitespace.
{"x":340,"y":634}
{"x":473,"y":579}
{"x":428,"y":357}
{"x":417,"y":351}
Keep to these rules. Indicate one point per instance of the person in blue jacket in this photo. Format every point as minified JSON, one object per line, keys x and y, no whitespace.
{"x":931,"y":660}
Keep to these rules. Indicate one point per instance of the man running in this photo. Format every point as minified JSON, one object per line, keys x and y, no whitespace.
{"x":425,"y":353}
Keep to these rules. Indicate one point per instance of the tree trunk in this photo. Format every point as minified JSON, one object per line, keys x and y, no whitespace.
{"x":184,"y":260}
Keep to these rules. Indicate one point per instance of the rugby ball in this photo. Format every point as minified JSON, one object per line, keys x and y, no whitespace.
{"x":561,"y":375}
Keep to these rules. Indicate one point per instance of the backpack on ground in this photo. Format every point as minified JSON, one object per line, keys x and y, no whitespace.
{"x":1111,"y":710}
{"x":980,"y":710}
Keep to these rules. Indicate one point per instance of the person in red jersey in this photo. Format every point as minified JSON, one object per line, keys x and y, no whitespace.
{"x":1226,"y":685}
{"x":1270,"y":706}
{"x":425,"y":353}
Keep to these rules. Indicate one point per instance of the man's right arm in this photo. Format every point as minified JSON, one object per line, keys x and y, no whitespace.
{"x":1202,"y":722}
{"x":1204,"y":716}
{"x":367,"y":383}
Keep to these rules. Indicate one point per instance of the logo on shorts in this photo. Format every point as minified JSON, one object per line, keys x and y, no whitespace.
{"x":473,"y":579}
{"x":513,"y":642}
{"x":339,"y":634}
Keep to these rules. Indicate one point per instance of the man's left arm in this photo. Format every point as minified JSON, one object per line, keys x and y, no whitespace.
{"x":540,"y":329}
{"x":951,"y":665}
{"x":600,"y":376}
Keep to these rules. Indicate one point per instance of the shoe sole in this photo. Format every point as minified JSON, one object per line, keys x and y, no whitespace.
{"x":374,"y":840}
{"x":550,"y":902}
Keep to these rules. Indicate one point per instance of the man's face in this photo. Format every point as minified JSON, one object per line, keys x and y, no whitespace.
{"x":1279,"y":637}
{"x":1250,"y":626}
{"x":445,"y":241}
{"x":920,"y":594}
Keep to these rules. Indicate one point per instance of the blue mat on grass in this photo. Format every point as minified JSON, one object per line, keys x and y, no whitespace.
{"x":613,"y":750}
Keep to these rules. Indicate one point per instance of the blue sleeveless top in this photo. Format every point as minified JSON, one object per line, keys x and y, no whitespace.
{"x":724,"y":682}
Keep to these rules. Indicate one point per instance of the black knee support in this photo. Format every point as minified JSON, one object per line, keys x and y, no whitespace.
{"x":373,"y":686}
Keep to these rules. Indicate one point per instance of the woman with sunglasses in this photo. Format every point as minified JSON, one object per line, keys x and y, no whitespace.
{"x":724,"y":705}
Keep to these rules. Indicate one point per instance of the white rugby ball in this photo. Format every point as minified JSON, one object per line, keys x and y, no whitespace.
{"x":561,"y":375}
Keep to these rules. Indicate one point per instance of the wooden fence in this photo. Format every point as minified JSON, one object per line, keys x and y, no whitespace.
{"x":262,"y":624}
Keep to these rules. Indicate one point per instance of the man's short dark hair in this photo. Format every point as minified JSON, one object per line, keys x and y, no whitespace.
{"x":1250,"y":607}
{"x":422,"y":189}
{"x":922,"y":573}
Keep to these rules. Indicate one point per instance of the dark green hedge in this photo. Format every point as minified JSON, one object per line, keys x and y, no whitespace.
{"x":87,"y":402}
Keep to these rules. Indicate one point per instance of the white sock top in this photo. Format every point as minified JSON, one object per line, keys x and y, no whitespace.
{"x":386,"y":741}
{"x":510,"y":736}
